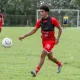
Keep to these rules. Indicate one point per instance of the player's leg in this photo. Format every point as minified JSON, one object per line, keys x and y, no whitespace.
{"x":49,"y":46}
{"x":64,"y":26}
{"x":54,"y":59}
{"x":43,"y":55}
{"x":42,"y":59}
{"x":0,"y":29}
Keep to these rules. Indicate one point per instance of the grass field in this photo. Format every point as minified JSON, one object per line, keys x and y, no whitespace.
{"x":17,"y":62}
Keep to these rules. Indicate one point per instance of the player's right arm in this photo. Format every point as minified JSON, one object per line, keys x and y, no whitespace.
{"x":31,"y":32}
{"x":28,"y":34}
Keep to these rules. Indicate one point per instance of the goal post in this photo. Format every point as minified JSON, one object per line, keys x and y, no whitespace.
{"x":74,"y":15}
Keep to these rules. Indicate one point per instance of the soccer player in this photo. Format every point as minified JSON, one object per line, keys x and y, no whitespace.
{"x":1,"y":21}
{"x":65,"y":21}
{"x":47,"y":25}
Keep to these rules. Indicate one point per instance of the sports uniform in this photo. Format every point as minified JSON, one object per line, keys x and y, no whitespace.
{"x":47,"y":25}
{"x":48,"y":33}
{"x":1,"y":21}
{"x":65,"y":20}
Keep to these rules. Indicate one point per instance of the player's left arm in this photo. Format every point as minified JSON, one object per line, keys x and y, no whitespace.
{"x":58,"y":26}
{"x":59,"y":33}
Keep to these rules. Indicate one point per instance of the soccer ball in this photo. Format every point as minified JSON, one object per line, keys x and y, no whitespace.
{"x":7,"y":42}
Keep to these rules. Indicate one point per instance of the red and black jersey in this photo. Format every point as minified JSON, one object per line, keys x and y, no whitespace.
{"x":46,"y":24}
{"x":47,"y":27}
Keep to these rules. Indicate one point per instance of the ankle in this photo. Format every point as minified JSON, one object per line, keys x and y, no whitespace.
{"x":59,"y":63}
{"x":37,"y":69}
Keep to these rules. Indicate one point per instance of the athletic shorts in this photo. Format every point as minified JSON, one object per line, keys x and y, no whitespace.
{"x":48,"y":45}
{"x":65,"y":22}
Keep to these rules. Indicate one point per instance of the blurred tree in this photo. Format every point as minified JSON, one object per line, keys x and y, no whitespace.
{"x":76,"y":3}
{"x":29,"y":6}
{"x":2,"y":5}
{"x":28,"y":9}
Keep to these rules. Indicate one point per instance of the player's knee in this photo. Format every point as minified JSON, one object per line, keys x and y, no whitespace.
{"x":43,"y":55}
{"x":49,"y":58}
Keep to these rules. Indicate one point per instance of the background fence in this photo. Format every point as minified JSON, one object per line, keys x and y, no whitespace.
{"x":30,"y":20}
{"x":19,"y":20}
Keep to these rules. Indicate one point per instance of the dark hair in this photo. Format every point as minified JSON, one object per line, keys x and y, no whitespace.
{"x":44,"y":7}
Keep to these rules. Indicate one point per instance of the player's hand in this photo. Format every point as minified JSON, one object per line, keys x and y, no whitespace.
{"x":20,"y":38}
{"x":57,"y":41}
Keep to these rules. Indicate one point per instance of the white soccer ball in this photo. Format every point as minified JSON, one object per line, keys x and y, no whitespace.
{"x":7,"y":42}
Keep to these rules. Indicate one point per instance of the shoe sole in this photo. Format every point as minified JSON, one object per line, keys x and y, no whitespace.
{"x":34,"y":75}
{"x":60,"y":69}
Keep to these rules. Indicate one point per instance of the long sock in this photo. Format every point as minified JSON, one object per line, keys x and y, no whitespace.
{"x":59,"y":63}
{"x":37,"y":69}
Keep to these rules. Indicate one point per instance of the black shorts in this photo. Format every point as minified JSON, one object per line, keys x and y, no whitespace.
{"x":65,"y":22}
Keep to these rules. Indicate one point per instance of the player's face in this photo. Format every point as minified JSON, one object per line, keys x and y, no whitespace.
{"x":43,"y":13}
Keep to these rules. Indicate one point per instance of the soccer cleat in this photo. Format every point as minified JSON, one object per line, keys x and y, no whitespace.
{"x":33,"y":73}
{"x":59,"y":69}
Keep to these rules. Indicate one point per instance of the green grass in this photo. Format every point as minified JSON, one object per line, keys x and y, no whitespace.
{"x":17,"y":62}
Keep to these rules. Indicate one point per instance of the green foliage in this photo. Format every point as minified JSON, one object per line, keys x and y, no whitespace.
{"x":29,"y":6}
{"x":76,"y":3}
